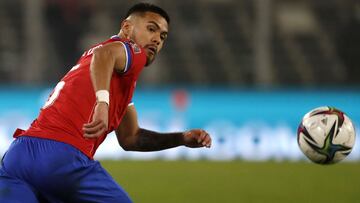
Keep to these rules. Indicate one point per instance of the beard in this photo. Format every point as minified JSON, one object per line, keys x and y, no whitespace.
{"x":149,"y":60}
{"x":149,"y":57}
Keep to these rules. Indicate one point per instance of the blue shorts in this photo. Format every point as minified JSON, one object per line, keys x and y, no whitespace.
{"x":41,"y":170}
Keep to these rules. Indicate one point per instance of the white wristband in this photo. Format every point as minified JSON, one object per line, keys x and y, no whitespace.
{"x":103,"y":96}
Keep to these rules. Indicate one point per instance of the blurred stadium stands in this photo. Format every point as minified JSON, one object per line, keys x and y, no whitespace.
{"x":232,"y":43}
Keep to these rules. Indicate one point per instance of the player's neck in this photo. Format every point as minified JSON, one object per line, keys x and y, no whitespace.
{"x":121,"y":34}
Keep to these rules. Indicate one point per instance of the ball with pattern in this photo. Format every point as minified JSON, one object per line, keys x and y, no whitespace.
{"x":326,"y":135}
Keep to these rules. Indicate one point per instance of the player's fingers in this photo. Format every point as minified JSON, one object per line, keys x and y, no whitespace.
{"x":207,"y":141}
{"x":96,"y":134}
{"x":94,"y":129}
{"x":201,"y":136}
{"x":203,"y":141}
{"x":92,"y":124}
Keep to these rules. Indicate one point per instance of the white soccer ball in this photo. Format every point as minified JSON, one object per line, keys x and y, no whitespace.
{"x":326,"y":135}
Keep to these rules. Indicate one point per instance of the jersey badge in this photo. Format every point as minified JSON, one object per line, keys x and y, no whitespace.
{"x":135,"y":47}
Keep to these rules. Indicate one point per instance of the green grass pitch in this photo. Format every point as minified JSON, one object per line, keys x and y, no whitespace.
{"x":236,"y":181}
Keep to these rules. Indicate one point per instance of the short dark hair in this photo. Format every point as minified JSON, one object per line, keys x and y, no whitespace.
{"x":148,"y":7}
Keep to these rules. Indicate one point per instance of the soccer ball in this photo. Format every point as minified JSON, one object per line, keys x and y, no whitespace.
{"x":326,"y":135}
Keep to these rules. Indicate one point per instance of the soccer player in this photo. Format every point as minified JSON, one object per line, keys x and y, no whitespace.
{"x":52,"y":161}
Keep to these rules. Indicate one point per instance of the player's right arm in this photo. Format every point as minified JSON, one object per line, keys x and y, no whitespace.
{"x":105,"y":60}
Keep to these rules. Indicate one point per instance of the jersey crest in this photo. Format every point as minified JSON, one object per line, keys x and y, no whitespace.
{"x":135,"y":47}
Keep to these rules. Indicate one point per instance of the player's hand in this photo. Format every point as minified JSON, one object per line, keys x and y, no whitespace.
{"x":99,"y":124}
{"x":197,"y":138}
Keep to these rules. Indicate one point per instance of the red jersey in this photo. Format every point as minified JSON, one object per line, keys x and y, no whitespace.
{"x":72,"y":102}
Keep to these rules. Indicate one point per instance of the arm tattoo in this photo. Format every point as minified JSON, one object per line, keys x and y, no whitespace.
{"x":152,"y":141}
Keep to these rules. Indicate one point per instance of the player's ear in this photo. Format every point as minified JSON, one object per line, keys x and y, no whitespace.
{"x":127,"y":27}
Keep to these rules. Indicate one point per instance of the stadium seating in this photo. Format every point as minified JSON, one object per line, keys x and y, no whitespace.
{"x":211,"y":43}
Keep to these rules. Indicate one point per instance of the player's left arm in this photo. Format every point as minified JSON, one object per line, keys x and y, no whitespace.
{"x":133,"y":138}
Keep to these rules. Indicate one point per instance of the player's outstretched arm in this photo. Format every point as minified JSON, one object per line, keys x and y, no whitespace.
{"x":133,"y":138}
